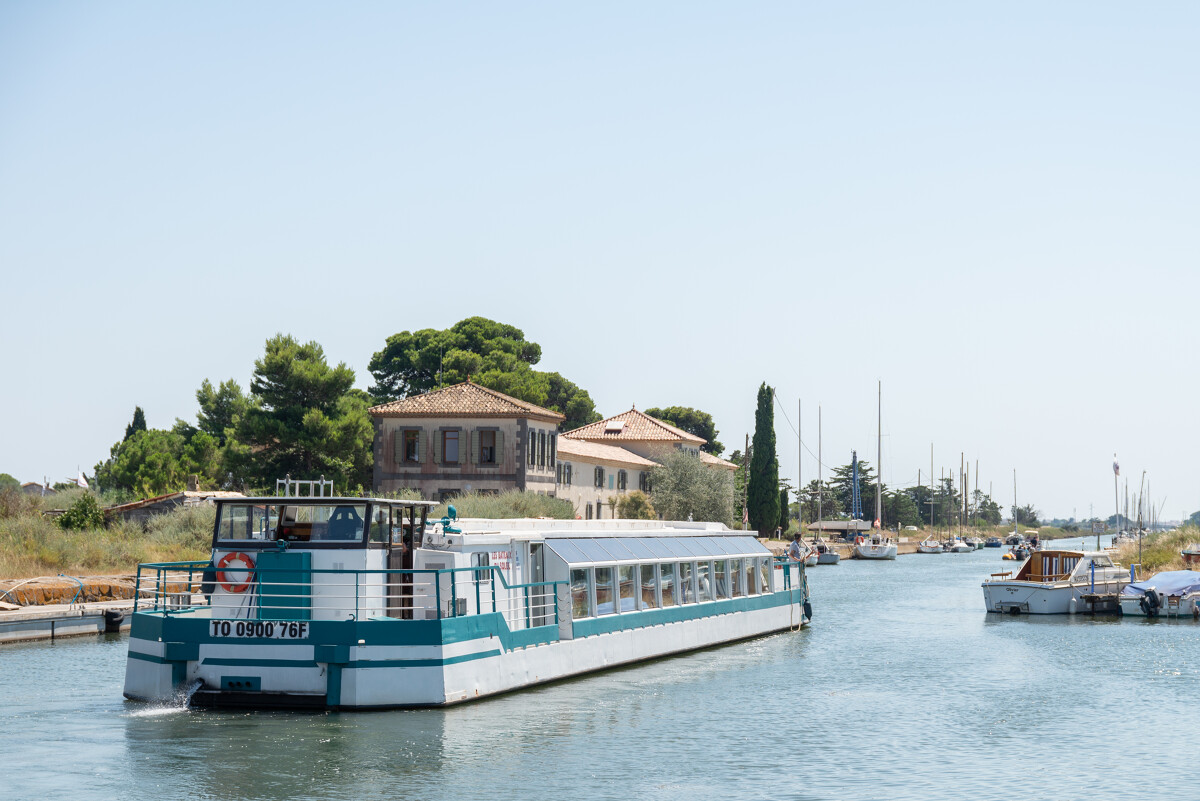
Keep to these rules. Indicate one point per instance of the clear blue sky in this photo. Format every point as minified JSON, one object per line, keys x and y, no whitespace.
{"x":990,"y":207}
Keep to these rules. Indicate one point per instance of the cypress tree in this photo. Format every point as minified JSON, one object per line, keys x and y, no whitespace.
{"x":763,"y":491}
{"x":784,"y":516}
{"x":138,"y":423}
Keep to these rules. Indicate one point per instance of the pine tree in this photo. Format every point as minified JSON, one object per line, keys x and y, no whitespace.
{"x":763,"y":492}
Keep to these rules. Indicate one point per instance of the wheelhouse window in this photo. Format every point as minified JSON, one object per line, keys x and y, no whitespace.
{"x":482,"y":563}
{"x":649,"y":588}
{"x":580,"y":595}
{"x":450,"y":446}
{"x":487,"y":447}
{"x":625,"y":585}
{"x":243,"y":521}
{"x":604,"y":591}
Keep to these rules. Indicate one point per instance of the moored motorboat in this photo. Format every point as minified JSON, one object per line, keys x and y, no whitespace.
{"x":357,"y":603}
{"x":957,"y":545}
{"x":929,"y":545}
{"x":1057,"y":582}
{"x":992,"y":542}
{"x":826,"y":554}
{"x":1174,"y":593}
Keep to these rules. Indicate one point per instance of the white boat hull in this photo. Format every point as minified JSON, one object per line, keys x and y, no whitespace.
{"x":829,"y":558}
{"x":1035,"y":598}
{"x":867,"y":550}
{"x":1189,"y":607}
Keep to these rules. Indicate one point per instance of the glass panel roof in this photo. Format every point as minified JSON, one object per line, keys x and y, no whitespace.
{"x":582,"y":550}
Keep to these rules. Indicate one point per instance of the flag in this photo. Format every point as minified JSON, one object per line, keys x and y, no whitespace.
{"x":1116,"y":467}
{"x":745,"y":515}
{"x":877,"y":523}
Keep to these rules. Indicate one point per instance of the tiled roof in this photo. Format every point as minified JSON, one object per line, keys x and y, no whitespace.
{"x":633,"y":426}
{"x":715,"y":461}
{"x":595,"y":452}
{"x":464,"y":400}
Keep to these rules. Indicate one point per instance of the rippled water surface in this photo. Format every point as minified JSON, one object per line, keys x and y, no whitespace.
{"x":903,"y":688}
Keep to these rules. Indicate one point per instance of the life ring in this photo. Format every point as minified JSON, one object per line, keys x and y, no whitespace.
{"x":225,"y":581}
{"x":859,"y":540}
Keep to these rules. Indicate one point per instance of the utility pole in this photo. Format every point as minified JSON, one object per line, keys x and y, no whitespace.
{"x":745,"y":483}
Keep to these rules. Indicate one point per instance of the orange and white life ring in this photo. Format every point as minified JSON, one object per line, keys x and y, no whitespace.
{"x":226,"y":582}
{"x":859,"y":540}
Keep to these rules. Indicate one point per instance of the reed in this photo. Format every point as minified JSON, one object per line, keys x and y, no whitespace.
{"x":1160,"y":551}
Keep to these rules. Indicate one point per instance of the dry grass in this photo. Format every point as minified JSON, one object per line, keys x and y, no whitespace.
{"x":1160,"y":552}
{"x":508,"y":504}
{"x":32,"y":545}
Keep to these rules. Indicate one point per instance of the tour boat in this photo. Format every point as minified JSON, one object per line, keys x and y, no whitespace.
{"x":929,"y":545}
{"x":358,"y":603}
{"x":1168,"y":594}
{"x":1057,"y":583}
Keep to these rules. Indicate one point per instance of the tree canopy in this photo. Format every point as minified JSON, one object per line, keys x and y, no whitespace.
{"x":692,"y":421}
{"x":8,"y":482}
{"x":683,"y":485}
{"x":491,"y":354}
{"x":762,"y":494}
{"x":304,"y":419}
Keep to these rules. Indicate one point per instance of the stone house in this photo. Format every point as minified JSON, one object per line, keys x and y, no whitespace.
{"x":464,"y":438}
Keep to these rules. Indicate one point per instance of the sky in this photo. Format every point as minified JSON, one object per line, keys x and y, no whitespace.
{"x":990,"y":210}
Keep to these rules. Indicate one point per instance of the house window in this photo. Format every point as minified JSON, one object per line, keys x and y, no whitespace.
{"x":450,"y":446}
{"x":567,"y":474}
{"x":408,"y":446}
{"x":541,"y":449}
{"x":553,"y":449}
{"x":589,"y":511}
{"x":532,"y":448}
{"x":620,"y":479}
{"x":644,"y":481}
{"x":599,"y":476}
{"x":487,"y":447}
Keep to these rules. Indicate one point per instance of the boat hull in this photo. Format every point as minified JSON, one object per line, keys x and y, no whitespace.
{"x":1035,"y":598}
{"x":829,"y":558}
{"x":387,"y":663}
{"x":868,"y":550}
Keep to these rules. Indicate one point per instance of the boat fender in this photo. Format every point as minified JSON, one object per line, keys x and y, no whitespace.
{"x":808,"y":610}
{"x":225,"y":581}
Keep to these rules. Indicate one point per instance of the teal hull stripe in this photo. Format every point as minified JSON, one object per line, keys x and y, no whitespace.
{"x":411,"y":663}
{"x":275,"y":663}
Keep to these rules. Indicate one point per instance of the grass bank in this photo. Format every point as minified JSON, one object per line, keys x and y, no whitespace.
{"x":1160,"y":551}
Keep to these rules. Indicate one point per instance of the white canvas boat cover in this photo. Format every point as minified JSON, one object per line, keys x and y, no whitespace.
{"x":1171,"y":582}
{"x":602,"y":550}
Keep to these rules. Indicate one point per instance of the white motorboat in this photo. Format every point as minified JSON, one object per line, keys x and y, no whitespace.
{"x":1057,"y":583}
{"x":874,"y":546}
{"x":1170,"y":594}
{"x":929,"y":545}
{"x":826,"y":555}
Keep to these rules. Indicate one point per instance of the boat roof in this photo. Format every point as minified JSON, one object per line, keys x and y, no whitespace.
{"x":323,"y":501}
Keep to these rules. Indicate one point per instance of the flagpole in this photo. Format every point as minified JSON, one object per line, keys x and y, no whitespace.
{"x":1116,"y":499}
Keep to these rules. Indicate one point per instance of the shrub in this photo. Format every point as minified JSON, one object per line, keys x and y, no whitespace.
{"x":635,"y":506}
{"x":82,"y":515}
{"x":511,"y":503}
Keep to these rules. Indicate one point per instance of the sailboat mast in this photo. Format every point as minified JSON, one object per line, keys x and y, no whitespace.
{"x":800,"y":467}
{"x":878,"y":458}
{"x":820,"y":472}
{"x":1015,"y":502}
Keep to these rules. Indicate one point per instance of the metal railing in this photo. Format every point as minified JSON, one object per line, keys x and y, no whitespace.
{"x":327,"y":594}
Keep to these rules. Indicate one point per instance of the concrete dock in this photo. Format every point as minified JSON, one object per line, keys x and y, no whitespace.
{"x":51,"y":621}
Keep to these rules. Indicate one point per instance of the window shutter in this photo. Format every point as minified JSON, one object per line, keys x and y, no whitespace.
{"x":437,"y":447}
{"x":421,"y":445}
{"x":553,"y":449}
{"x":532,"y":448}
{"x":398,"y":446}
{"x":541,"y":449}
{"x":499,"y":447}
{"x":463,"y":446}
{"x":475,"y":446}
{"x":569,"y":469}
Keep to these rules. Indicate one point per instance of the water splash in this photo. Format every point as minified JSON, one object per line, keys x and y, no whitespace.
{"x":179,"y":702}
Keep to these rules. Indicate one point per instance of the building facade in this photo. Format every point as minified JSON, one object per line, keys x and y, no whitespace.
{"x":464,"y":438}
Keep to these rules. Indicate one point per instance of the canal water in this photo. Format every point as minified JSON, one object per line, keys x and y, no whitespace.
{"x":903,"y":688}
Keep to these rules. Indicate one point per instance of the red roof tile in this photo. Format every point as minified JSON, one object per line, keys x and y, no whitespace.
{"x":467,"y":399}
{"x":633,"y":426}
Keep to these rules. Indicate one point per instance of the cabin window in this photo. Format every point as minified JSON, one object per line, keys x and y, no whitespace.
{"x":666,"y":574}
{"x":604,"y":591}
{"x":450,"y":446}
{"x":687,"y":589}
{"x":764,"y":575}
{"x":620,"y":479}
{"x":649,"y":588}
{"x":720,"y":579}
{"x":735,"y":577}
{"x":751,"y":577}
{"x":703,"y":583}
{"x":487,"y":447}
{"x":625,"y":580}
{"x":580,"y":595}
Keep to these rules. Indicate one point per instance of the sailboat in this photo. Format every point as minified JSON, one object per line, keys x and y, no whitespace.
{"x":877,"y":545}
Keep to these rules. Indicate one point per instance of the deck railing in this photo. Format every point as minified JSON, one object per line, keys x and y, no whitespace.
{"x":327,"y":594}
